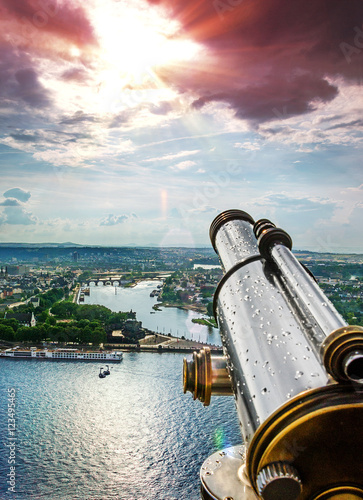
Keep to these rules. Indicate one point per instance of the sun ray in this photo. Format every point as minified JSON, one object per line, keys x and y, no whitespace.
{"x":133,"y":43}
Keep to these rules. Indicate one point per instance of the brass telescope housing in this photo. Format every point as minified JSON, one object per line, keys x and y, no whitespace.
{"x":342,"y":354}
{"x":206,"y":374}
{"x":295,"y":367}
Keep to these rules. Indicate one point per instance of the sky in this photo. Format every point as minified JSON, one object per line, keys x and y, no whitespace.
{"x":136,"y":122}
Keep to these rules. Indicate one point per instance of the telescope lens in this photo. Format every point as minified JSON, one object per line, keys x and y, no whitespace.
{"x":188,"y":376}
{"x":353,"y":367}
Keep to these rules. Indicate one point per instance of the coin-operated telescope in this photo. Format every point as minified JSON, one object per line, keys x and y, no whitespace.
{"x":295,"y":368}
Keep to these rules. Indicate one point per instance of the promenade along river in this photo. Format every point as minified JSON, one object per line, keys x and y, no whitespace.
{"x":172,"y":320}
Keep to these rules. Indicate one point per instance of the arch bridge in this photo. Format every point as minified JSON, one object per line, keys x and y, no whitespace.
{"x":103,"y":282}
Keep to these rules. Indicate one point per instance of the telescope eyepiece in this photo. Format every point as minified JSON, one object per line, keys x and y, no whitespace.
{"x":268,"y":235}
{"x":225,"y":217}
{"x":353,"y":366}
{"x":342,"y":354}
{"x":261,"y":226}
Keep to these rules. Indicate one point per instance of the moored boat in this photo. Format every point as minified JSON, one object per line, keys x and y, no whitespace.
{"x":64,"y":354}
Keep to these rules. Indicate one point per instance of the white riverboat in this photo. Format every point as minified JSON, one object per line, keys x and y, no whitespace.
{"x":64,"y":354}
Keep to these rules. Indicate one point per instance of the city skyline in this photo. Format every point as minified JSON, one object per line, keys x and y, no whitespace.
{"x":137,"y":122}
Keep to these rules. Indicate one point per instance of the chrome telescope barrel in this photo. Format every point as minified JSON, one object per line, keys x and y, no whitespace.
{"x":269,"y":358}
{"x":294,"y":365}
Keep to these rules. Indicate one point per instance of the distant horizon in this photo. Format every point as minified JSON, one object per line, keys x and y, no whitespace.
{"x":153,"y":247}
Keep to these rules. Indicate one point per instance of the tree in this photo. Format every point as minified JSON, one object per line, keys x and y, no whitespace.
{"x":10,"y":322}
{"x":22,"y":334}
{"x":51,"y":320}
{"x":98,"y":336}
{"x":43,"y":316}
{"x":6,"y":332}
{"x":210,"y":309}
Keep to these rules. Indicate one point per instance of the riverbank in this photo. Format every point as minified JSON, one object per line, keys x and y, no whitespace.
{"x":185,"y":307}
{"x":206,"y":322}
{"x":183,"y":346}
{"x":156,"y":342}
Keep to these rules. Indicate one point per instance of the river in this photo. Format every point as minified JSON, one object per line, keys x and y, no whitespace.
{"x":172,"y":320}
{"x":131,"y":436}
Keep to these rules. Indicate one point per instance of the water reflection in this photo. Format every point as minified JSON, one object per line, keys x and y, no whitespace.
{"x":131,"y":436}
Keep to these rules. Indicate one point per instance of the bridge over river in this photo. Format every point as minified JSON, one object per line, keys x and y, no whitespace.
{"x":118,"y":280}
{"x":105,"y":282}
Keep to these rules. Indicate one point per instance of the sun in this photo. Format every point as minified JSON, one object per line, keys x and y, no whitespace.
{"x":134,"y":40}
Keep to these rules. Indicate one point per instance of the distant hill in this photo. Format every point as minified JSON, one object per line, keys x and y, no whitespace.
{"x":68,"y":244}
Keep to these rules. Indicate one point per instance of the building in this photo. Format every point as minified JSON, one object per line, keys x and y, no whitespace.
{"x":24,"y":319}
{"x":16,"y":270}
{"x":35,"y":301}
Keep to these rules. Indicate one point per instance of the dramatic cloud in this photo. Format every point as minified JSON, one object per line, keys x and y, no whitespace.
{"x":29,"y":89}
{"x":19,"y":80}
{"x":30,"y":18}
{"x":269,"y":60}
{"x":182,"y":107}
{"x":18,"y":193}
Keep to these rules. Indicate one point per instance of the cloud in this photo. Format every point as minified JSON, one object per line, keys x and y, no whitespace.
{"x":162,"y":108}
{"x":112,"y":220}
{"x":75,"y":74}
{"x":17,"y":215}
{"x":77,"y":117}
{"x":10,"y":202}
{"x":30,"y":89}
{"x":19,"y":79}
{"x":30,"y":18}
{"x":18,"y":193}
{"x":274,"y":98}
{"x":248,"y":145}
{"x":25,"y":137}
{"x":350,"y":124}
{"x":356,"y":189}
{"x":297,"y":203}
{"x":184,"y":165}
{"x":173,"y":156}
{"x":268,"y":60}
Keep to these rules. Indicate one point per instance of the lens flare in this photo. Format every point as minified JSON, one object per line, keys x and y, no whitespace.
{"x":219,"y":439}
